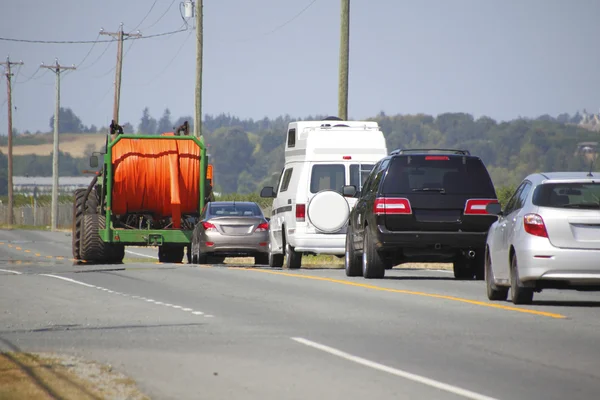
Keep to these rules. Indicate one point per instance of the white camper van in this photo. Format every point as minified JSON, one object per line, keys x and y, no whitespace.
{"x":310,"y":212}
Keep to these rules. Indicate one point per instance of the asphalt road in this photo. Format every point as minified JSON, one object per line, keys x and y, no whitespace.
{"x":229,"y":332}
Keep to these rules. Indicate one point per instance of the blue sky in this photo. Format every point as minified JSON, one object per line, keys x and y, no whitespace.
{"x":503,"y":59}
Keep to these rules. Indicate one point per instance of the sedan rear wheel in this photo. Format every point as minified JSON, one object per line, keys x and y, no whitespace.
{"x":518,"y":293}
{"x":493,"y":292}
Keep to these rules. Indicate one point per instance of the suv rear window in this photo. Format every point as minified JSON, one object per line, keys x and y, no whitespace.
{"x":438,"y":174}
{"x":568,"y":195}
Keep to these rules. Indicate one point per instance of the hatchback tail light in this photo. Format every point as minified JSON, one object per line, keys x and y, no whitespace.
{"x":208,"y":226}
{"x":300,"y":212}
{"x":477,"y":206}
{"x":390,"y":206}
{"x":262,"y":227}
{"x":534,"y":225}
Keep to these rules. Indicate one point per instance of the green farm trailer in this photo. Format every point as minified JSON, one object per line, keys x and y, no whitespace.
{"x":149,"y":190}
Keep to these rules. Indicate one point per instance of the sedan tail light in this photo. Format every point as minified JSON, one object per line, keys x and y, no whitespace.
{"x":477,"y":206}
{"x":534,"y":225}
{"x":208,"y":226}
{"x":391,"y":205}
{"x":262,"y":227}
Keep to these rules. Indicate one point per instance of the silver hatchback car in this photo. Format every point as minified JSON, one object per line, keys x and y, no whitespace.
{"x":230,"y":229}
{"x":547,"y":237}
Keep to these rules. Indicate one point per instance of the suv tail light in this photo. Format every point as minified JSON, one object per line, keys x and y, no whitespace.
{"x":262,"y":227}
{"x":208,"y":226}
{"x":477,"y":206}
{"x":300,"y":212}
{"x":534,"y":225}
{"x":386,"y":205}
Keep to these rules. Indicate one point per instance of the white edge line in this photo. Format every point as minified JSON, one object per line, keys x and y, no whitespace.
{"x":69,"y":280}
{"x":141,"y":255}
{"x":10,"y":271}
{"x":403,"y":374}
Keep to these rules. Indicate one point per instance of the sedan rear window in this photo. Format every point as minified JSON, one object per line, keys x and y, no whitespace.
{"x":438,"y":174}
{"x":568,"y":195}
{"x":231,"y":210}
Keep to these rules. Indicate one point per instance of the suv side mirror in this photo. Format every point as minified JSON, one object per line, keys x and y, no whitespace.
{"x":94,"y":161}
{"x":494,"y":208}
{"x":267,"y":192}
{"x":349,"y":191}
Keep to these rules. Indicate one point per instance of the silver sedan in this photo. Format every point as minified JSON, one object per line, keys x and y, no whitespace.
{"x":230,"y":229}
{"x":546,"y":237}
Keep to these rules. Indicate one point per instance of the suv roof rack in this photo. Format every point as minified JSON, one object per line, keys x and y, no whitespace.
{"x":453,"y":151}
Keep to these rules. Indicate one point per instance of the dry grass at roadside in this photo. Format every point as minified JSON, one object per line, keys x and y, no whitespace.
{"x":49,"y":376}
{"x":333,"y":262}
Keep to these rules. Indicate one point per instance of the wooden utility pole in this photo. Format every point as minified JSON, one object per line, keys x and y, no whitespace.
{"x":8,"y":64}
{"x":57,"y":69}
{"x":120,"y":35}
{"x":344,"y":61}
{"x":199,"y":39}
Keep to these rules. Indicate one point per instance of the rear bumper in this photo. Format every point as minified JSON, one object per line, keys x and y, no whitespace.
{"x":540,"y":261}
{"x":216,"y":243}
{"x":417,"y":239}
{"x":319,"y":243}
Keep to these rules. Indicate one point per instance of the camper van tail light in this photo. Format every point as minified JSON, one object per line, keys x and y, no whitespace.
{"x":391,"y":206}
{"x":477,"y":206}
{"x":347,"y":157}
{"x":300,"y":212}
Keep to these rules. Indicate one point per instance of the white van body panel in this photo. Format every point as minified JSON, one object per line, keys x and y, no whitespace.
{"x":334,"y":151}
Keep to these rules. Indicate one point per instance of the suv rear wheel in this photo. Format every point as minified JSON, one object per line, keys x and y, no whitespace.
{"x":373,"y":266}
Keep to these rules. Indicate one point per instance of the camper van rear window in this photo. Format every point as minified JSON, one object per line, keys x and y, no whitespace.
{"x":327,"y":177}
{"x":291,"y":142}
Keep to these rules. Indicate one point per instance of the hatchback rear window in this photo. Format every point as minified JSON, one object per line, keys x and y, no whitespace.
{"x":567,"y":195}
{"x":438,"y":174}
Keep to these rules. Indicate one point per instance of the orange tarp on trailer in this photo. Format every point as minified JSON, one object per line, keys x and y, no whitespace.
{"x":157,"y":176}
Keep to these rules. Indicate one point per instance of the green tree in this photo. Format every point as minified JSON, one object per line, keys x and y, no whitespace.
{"x":68,"y":122}
{"x":165,"y":124}
{"x":147,"y":125}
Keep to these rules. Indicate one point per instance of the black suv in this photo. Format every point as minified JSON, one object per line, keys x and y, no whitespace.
{"x":421,"y":206}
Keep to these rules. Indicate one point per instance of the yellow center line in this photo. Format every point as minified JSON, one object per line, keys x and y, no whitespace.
{"x":27,"y":251}
{"x":414,"y":293}
{"x":38,"y":255}
{"x":60,"y":258}
{"x":18,"y":248}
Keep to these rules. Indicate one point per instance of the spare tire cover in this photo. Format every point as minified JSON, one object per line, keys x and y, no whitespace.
{"x":328,"y":211}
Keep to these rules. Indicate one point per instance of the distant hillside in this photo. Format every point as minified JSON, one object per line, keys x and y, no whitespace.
{"x":76,"y":144}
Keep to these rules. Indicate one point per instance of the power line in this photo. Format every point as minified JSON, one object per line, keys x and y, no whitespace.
{"x":292,"y":19}
{"x":90,"y":51}
{"x":87,"y":41}
{"x":98,"y":58}
{"x":162,"y":16}
{"x":53,"y":41}
{"x":146,"y":16}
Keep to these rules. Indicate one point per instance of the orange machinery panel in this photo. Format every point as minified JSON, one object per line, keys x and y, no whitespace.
{"x":157,"y":176}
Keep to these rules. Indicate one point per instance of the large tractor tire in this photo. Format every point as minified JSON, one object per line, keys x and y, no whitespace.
{"x":93,"y":248}
{"x":77,"y":219}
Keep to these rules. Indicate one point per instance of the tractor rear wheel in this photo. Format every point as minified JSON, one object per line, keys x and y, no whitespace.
{"x":93,"y":248}
{"x":77,"y":219}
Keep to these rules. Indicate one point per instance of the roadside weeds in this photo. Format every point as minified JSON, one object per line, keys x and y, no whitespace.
{"x":53,"y":376}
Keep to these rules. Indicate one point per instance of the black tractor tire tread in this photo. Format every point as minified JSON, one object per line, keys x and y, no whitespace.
{"x":93,"y":248}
